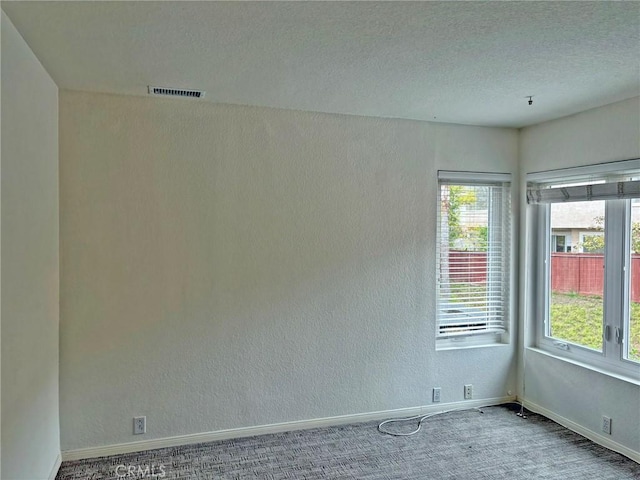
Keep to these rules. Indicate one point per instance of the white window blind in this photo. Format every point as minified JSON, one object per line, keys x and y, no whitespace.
{"x":473,"y":252}
{"x":583,"y":193}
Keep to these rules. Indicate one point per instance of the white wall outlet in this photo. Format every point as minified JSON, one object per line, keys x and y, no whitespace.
{"x":606,"y":425}
{"x":468,"y":392}
{"x":139,"y":425}
{"x":436,"y":394}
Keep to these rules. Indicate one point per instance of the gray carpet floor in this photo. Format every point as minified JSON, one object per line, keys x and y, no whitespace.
{"x":496,"y":444}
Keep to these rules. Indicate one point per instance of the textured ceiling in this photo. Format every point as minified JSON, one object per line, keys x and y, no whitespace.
{"x":461,"y":62}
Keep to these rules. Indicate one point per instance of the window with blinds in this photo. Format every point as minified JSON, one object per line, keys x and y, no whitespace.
{"x":473,"y":252}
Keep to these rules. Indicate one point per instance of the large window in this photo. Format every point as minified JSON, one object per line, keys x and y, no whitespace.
{"x":588,"y":299}
{"x":473,"y":252}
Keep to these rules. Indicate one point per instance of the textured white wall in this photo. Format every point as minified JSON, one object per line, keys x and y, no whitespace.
{"x":604,"y":134}
{"x":30,"y":280}
{"x":226,"y":266}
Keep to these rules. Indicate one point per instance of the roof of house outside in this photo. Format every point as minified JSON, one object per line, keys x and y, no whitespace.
{"x":572,"y":215}
{"x":582,"y":215}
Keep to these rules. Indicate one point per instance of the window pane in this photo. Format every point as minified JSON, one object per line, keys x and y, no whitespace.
{"x":473,"y":245}
{"x":632,"y":334}
{"x":577,"y":275}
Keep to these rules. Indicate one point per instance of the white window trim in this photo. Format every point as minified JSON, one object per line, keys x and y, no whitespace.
{"x":611,"y":359}
{"x":567,"y":239}
{"x":586,"y":172}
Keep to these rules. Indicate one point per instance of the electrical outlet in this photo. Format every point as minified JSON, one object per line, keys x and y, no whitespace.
{"x":139,"y":425}
{"x":468,"y":392}
{"x":436,"y":394}
{"x":606,"y":425}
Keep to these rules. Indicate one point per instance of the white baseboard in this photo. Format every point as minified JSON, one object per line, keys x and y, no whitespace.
{"x":56,"y":467}
{"x":585,"y":432}
{"x":93,"y":452}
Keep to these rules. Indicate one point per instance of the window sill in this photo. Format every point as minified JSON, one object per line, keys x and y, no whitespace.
{"x":617,"y":376}
{"x":466,"y":346}
{"x":463,"y":342}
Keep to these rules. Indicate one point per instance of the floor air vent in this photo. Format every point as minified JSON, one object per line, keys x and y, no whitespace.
{"x":175,"y":92}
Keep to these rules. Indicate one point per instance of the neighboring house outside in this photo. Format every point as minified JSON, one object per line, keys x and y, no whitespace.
{"x":471,"y":221}
{"x":573,"y":223}
{"x":577,"y":259}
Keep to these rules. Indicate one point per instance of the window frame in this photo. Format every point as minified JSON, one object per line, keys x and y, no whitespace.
{"x":495,"y":216}
{"x":583,"y":234}
{"x":567,"y":241}
{"x":617,"y":275}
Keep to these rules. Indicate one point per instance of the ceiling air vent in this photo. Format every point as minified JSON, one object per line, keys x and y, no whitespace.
{"x":175,"y":92}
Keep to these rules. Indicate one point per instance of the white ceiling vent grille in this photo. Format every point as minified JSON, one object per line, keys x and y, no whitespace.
{"x":175,"y":92}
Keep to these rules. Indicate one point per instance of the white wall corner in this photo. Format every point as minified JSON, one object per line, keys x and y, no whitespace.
{"x":56,"y":467}
{"x":585,"y":432}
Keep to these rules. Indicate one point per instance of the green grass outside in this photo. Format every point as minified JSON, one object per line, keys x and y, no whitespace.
{"x":578,"y":319}
{"x":464,"y":292}
{"x":574,"y":318}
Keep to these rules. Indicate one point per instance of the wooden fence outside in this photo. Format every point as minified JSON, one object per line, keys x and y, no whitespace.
{"x":579,"y":273}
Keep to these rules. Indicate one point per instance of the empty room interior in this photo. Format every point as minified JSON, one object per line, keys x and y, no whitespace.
{"x":236,"y":237}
